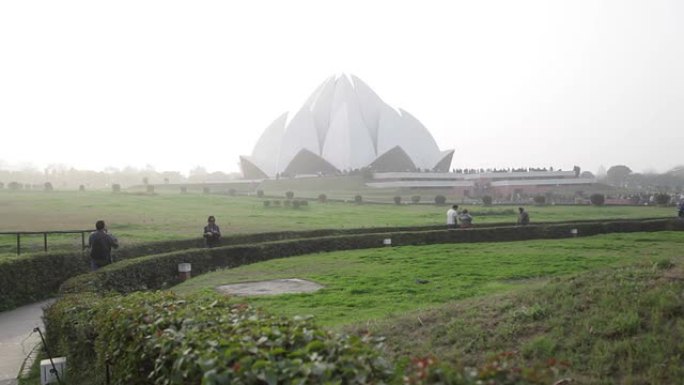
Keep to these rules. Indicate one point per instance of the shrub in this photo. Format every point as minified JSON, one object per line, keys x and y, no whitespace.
{"x":162,"y":338}
{"x":304,"y":202}
{"x":149,"y":189}
{"x":597,"y":199}
{"x":232,"y":192}
{"x":205,"y":190}
{"x":2,"y":185}
{"x":267,"y":203}
{"x":287,"y":203}
{"x":276,"y":203}
{"x":662,"y":199}
{"x":289,"y":195}
{"x":539,"y":199}
{"x":81,"y":188}
{"x":322,"y":198}
{"x":184,"y":189}
{"x":440,"y":200}
{"x":487,"y":200}
{"x":358,"y":199}
{"x":415,"y":199}
{"x":260,"y":193}
{"x":397,"y":200}
{"x":295,"y":204}
{"x":48,"y":187}
{"x":14,"y":186}
{"x":116,"y":188}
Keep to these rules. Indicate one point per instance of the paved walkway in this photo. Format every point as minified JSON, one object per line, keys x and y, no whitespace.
{"x":17,"y":338}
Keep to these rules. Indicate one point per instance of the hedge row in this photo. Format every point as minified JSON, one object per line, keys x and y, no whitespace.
{"x":160,"y":271}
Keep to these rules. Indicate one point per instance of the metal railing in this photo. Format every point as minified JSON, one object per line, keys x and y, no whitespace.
{"x":45,"y":237}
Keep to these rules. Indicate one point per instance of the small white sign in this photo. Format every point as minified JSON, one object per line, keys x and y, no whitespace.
{"x":184,"y":267}
{"x":47,"y":376}
{"x":387,"y":241}
{"x":573,"y":231}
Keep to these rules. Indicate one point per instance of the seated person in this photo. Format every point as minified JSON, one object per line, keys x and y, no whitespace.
{"x":465,"y":219}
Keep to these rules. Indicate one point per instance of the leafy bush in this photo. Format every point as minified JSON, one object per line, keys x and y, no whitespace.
{"x":287,"y":203}
{"x":48,"y":187}
{"x":276,"y":203}
{"x":2,"y":185}
{"x":116,"y":188}
{"x":415,"y":199}
{"x":440,"y":200}
{"x":267,"y":203}
{"x":539,"y":199}
{"x":81,"y":187}
{"x":289,"y":195}
{"x":205,"y":190}
{"x":597,"y":199}
{"x":232,"y":192}
{"x":295,"y":204}
{"x":184,"y":189}
{"x":304,"y":202}
{"x":397,"y":200}
{"x":260,"y":193}
{"x":662,"y":199}
{"x":161,"y":338}
{"x":487,"y":200}
{"x":358,"y":199}
{"x":322,"y":198}
{"x":149,"y":188}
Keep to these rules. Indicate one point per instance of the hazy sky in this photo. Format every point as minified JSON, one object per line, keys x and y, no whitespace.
{"x":178,"y":84}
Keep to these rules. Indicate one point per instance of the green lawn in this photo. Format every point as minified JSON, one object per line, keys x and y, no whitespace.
{"x":373,"y":284}
{"x":137,"y":218}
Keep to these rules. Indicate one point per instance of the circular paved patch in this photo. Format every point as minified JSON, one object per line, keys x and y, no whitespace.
{"x":273,"y":287}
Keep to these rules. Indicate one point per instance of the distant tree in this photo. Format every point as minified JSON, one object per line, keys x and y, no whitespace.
{"x":487,"y":200}
{"x":415,"y":199}
{"x":14,"y":186}
{"x":116,"y":188}
{"x":587,"y":174}
{"x":289,"y":195}
{"x":304,"y":202}
{"x":662,"y":199}
{"x":81,"y":188}
{"x":47,"y":187}
{"x":232,"y":192}
{"x":539,"y":199}
{"x":184,"y":189}
{"x":166,"y":180}
{"x":617,"y":175}
{"x":597,"y":199}
{"x":358,"y":199}
{"x":577,"y":170}
{"x":322,"y":198}
{"x":296,"y":204}
{"x":440,"y":200}
{"x":267,"y":203}
{"x":2,"y":185}
{"x":397,"y":200}
{"x":146,"y":180}
{"x":260,"y":193}
{"x":205,"y":190}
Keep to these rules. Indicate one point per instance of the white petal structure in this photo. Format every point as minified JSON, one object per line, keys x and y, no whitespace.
{"x":344,"y":126}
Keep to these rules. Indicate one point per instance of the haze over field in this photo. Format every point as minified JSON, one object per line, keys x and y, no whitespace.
{"x":175,"y":85}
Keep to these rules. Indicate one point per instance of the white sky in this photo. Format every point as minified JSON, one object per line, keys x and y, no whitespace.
{"x":176,"y":84}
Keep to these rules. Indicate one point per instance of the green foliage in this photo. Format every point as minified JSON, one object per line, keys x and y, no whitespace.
{"x":539,"y":199}
{"x":260,"y":193}
{"x":597,"y":199}
{"x":397,"y":200}
{"x":81,"y":188}
{"x":160,"y":338}
{"x":662,"y":198}
{"x":232,"y":192}
{"x":295,"y":204}
{"x":415,"y":199}
{"x":14,"y":186}
{"x":267,"y":203}
{"x":487,"y":200}
{"x":440,"y":200}
{"x":206,"y":190}
{"x":116,"y":188}
{"x":47,"y":187}
{"x":322,"y":198}
{"x":289,"y":195}
{"x":358,"y":199}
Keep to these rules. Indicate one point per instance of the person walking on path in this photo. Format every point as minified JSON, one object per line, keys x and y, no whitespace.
{"x":100,"y":244}
{"x":465,"y":219}
{"x":452,"y":214}
{"x":523,"y":217}
{"x":212,"y":233}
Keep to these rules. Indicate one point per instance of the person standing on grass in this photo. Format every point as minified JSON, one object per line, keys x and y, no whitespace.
{"x":451,"y":214}
{"x":100,"y":244}
{"x":465,"y":219}
{"x":523,"y":217}
{"x":212,"y":233}
{"x":680,"y":212}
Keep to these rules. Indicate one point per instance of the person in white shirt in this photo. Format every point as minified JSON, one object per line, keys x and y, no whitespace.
{"x":452,"y":214}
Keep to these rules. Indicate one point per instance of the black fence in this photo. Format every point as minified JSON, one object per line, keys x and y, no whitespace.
{"x":45,"y":234}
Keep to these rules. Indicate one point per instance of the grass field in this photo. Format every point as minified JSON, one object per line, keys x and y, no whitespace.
{"x":610,"y":306}
{"x":137,"y":218}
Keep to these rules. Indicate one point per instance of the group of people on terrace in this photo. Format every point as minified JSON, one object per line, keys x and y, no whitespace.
{"x":464,"y":219}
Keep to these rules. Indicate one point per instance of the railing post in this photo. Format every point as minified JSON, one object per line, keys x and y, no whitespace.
{"x":18,"y":243}
{"x":45,"y":242}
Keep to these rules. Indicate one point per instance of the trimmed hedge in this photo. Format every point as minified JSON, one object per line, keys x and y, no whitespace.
{"x":160,"y":338}
{"x":160,"y":271}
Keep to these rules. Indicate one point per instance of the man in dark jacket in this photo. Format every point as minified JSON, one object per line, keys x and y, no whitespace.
{"x":523,"y":217}
{"x":100,"y":244}
{"x":212,"y":233}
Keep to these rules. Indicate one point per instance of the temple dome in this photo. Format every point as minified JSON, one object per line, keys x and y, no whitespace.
{"x":344,"y":126}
